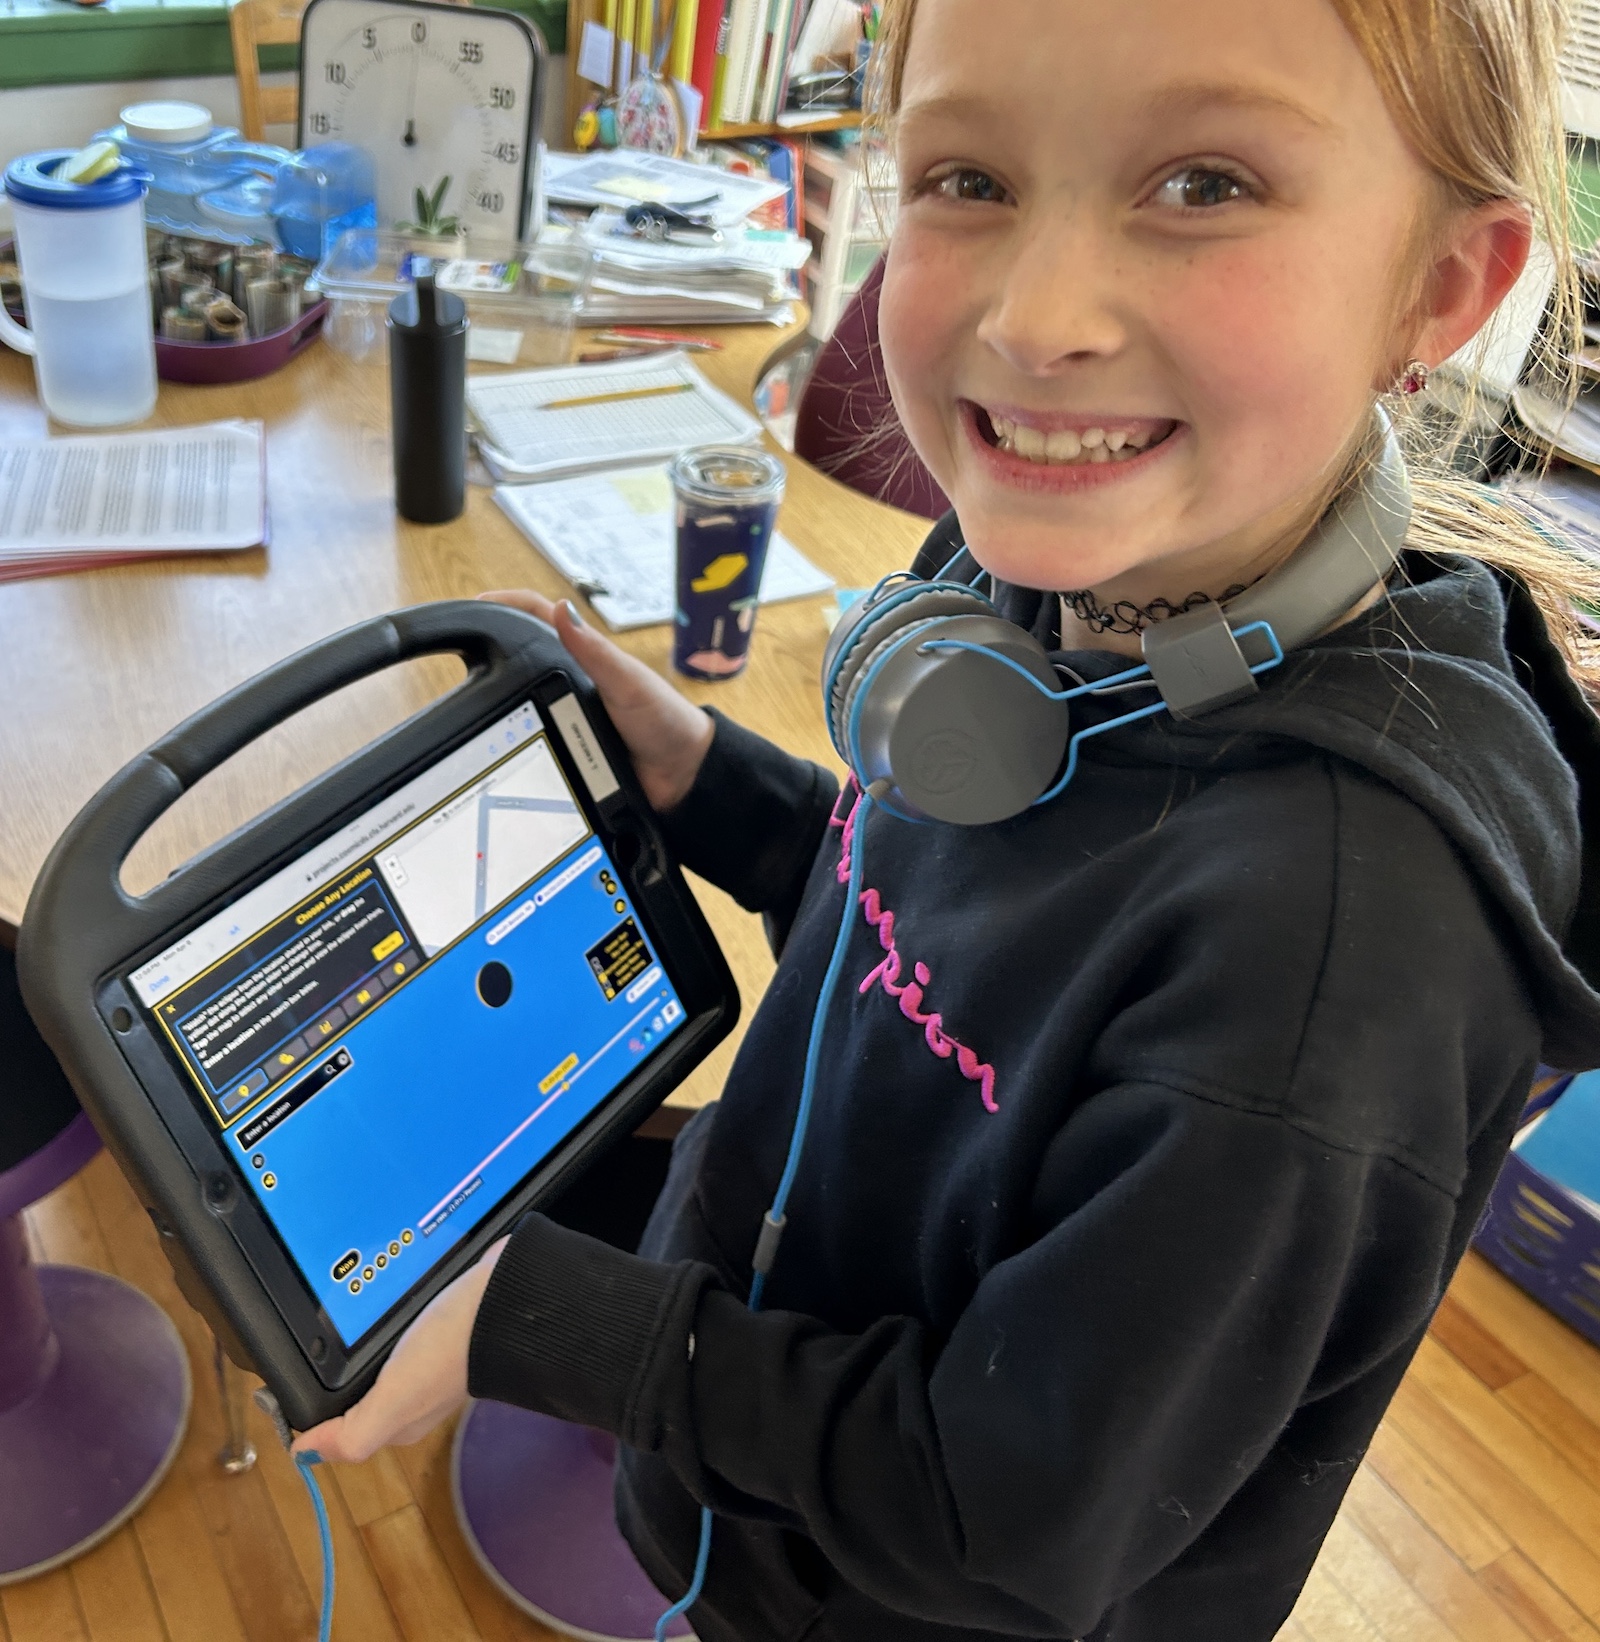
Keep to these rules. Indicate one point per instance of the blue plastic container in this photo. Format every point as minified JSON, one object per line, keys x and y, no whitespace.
{"x":321,"y":192}
{"x":197,"y":171}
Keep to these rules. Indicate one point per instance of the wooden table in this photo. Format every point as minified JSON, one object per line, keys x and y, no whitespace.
{"x":95,"y":666}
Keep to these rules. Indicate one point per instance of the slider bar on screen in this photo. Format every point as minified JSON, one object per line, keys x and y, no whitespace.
{"x":566,"y":1083}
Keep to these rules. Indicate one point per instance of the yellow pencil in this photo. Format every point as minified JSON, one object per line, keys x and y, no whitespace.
{"x":617,"y":397}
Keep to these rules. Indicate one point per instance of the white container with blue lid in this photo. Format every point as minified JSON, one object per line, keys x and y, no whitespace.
{"x":85,"y":290}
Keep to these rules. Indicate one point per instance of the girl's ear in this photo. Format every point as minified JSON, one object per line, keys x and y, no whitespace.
{"x":1479,"y":260}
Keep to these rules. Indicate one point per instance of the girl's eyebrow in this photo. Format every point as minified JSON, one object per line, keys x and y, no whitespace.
{"x":1197,"y":96}
{"x":1171,"y":101}
{"x":946,"y":105}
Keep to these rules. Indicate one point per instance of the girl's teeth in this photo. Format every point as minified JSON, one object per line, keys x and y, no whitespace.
{"x":1066,"y":447}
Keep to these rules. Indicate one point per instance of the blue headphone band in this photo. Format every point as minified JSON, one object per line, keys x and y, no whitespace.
{"x":1132,"y":676}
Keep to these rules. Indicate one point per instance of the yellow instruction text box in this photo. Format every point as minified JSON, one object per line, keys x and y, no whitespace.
{"x":546,"y":1084}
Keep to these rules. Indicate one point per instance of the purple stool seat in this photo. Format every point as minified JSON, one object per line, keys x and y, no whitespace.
{"x":94,"y":1385}
{"x":533,"y":1497}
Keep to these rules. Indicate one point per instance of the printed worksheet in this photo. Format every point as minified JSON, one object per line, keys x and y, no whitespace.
{"x":613,"y":536}
{"x":104,"y":498}
{"x":568,"y":419}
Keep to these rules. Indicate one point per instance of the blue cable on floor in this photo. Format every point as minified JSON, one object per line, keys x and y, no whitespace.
{"x":772,"y":1225}
{"x":303,"y":1463}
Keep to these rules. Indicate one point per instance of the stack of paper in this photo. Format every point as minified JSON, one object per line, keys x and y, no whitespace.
{"x":575,"y":418}
{"x":627,"y":176}
{"x":73,"y":504}
{"x":746,"y":277}
{"x":613,"y":536}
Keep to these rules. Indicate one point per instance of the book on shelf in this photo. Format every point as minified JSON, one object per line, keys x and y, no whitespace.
{"x":702,"y":72}
{"x":741,"y":44}
{"x":685,"y":30}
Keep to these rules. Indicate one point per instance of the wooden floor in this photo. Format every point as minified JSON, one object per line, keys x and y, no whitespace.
{"x":1477,"y":1515}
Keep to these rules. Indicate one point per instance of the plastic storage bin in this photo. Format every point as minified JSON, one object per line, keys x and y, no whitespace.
{"x":522,"y":300}
{"x":1542,"y":1237}
{"x":206,"y":180}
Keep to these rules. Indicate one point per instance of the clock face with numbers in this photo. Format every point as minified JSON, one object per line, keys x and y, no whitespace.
{"x":432,"y":92}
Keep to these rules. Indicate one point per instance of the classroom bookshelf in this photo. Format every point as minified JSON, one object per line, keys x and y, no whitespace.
{"x":579,"y":90}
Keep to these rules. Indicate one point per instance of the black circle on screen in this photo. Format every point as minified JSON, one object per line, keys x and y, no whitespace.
{"x":494,"y":985}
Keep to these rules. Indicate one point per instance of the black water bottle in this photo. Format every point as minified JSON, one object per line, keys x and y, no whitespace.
{"x":428,"y":402}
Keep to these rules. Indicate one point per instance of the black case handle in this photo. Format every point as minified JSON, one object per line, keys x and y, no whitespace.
{"x":491,"y":639}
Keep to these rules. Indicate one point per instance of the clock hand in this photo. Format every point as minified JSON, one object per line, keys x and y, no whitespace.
{"x":410,"y":137}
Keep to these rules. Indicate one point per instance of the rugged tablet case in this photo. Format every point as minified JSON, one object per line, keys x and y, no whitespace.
{"x":82,"y":927}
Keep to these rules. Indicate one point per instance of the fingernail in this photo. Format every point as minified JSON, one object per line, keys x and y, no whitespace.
{"x":572,"y":612}
{"x":309,"y":1456}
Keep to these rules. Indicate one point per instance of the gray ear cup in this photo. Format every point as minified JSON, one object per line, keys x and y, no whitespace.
{"x":961,"y":737}
{"x":863,"y":627}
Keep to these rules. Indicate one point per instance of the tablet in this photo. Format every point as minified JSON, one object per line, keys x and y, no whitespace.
{"x":396,"y":1021}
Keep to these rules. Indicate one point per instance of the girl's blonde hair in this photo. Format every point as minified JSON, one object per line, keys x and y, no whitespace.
{"x":1475,"y":88}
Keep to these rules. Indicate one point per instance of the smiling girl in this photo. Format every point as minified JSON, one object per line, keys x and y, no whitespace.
{"x":1151,"y":1123}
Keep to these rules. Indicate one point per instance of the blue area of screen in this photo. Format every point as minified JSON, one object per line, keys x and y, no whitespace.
{"x":438,"y":1080}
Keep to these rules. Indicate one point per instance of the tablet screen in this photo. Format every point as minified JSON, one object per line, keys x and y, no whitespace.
{"x":394,"y":1030}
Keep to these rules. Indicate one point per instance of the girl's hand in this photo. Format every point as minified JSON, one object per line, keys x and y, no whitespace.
{"x":667,"y":736}
{"x":423,"y":1383}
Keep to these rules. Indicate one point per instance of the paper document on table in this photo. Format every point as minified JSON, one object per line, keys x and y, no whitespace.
{"x":530,"y":427}
{"x":618,"y":177}
{"x":72,"y":503}
{"x":614,"y":537}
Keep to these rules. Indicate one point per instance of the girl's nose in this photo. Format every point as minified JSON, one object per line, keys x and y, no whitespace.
{"x":1056,"y":303}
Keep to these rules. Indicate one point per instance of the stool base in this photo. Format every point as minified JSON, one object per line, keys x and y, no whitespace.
{"x":533,"y":1497}
{"x":88,"y":1447}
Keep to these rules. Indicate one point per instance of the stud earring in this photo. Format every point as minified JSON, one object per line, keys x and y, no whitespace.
{"x":1414,"y":378}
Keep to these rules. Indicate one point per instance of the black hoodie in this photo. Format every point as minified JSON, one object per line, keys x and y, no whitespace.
{"x":1151,"y":1126}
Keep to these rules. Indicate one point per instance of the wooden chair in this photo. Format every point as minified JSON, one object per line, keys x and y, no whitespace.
{"x":253,"y":24}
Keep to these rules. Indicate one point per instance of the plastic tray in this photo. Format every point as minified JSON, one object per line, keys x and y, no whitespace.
{"x":210,"y":362}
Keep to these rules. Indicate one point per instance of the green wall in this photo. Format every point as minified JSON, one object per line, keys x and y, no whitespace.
{"x":55,"y":42}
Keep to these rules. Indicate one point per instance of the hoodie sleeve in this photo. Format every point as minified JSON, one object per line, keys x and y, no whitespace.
{"x":1063,"y":1445}
{"x":752,"y":823}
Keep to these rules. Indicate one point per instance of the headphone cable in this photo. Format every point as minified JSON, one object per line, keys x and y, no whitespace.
{"x":776,"y":1217}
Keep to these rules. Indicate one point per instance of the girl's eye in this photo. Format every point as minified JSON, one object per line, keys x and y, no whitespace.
{"x":968,"y":183}
{"x":1199,"y":188}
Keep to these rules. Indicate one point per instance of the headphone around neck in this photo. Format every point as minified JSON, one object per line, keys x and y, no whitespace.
{"x":928,"y":688}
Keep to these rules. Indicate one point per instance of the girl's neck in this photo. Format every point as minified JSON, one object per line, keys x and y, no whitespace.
{"x":1115,"y":615}
{"x":1088,"y":623}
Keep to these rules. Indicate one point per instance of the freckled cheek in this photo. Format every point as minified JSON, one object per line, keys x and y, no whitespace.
{"x":1257,"y":349}
{"x":927,"y":314}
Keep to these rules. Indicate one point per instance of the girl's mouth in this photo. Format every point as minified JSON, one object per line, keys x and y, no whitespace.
{"x":1076,"y":442}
